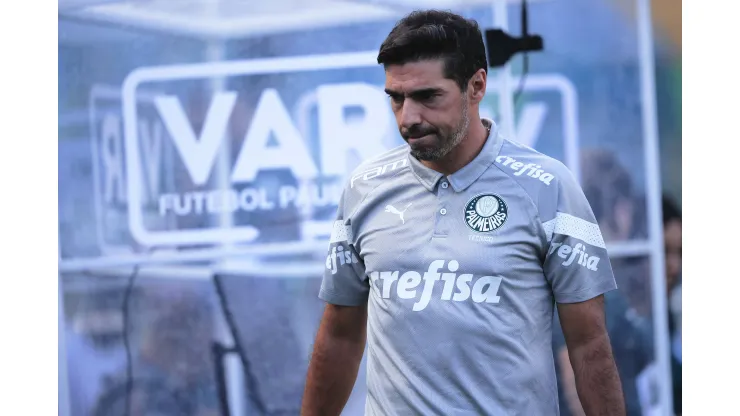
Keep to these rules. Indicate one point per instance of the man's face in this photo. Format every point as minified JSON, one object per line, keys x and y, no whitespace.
{"x":673,"y":252}
{"x":431,"y":111}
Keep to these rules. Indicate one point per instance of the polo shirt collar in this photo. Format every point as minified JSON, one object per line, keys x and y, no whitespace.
{"x":469,"y":173}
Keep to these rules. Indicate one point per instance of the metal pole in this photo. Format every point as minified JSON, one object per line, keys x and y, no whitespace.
{"x":215,"y":52}
{"x":504,"y":81}
{"x":655,"y":216}
{"x":194,"y":255}
{"x":63,"y":377}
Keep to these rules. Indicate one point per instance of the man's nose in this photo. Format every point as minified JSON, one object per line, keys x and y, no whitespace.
{"x":410,"y":114}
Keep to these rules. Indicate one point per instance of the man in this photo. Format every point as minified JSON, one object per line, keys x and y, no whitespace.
{"x":449,"y":253}
{"x":673,"y":242}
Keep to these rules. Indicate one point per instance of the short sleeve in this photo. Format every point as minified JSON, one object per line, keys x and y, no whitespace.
{"x":576,"y":262}
{"x":344,"y":282}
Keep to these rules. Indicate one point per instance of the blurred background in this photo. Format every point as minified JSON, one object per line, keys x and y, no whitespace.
{"x":203,"y":145}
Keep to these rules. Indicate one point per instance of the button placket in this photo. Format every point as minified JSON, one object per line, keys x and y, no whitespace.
{"x":443,"y":196}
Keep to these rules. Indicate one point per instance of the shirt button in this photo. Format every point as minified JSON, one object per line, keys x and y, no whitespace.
{"x":443,"y":211}
{"x":445,"y":185}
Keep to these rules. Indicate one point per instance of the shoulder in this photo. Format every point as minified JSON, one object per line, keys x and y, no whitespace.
{"x":373,"y":172}
{"x":541,"y":177}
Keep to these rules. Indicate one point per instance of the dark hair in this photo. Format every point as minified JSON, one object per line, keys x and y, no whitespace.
{"x":670,"y":210}
{"x":435,"y":34}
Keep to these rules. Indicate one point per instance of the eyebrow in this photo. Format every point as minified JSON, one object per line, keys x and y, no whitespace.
{"x":415,"y":93}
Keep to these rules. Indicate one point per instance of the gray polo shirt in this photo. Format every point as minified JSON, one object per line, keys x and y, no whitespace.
{"x":460,"y":274}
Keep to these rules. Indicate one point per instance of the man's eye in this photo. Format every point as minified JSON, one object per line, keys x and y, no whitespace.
{"x":396,"y":100}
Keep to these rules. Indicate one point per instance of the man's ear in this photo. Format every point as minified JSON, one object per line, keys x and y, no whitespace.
{"x":477,"y":86}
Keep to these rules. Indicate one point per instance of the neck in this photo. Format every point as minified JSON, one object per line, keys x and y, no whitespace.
{"x":463,"y":153}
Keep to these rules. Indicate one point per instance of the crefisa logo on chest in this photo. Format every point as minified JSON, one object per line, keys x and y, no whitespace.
{"x":485,"y":213}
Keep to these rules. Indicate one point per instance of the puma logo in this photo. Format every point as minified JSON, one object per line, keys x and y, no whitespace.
{"x":393,"y":210}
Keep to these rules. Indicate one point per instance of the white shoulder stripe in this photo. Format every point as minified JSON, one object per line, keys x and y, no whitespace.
{"x":575,"y":227}
{"x":340,"y":232}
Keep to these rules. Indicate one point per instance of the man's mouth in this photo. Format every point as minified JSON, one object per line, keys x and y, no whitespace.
{"x":416,"y":138}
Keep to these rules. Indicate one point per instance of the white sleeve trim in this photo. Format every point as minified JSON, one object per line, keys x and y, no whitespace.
{"x":340,"y":232}
{"x":575,"y":227}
